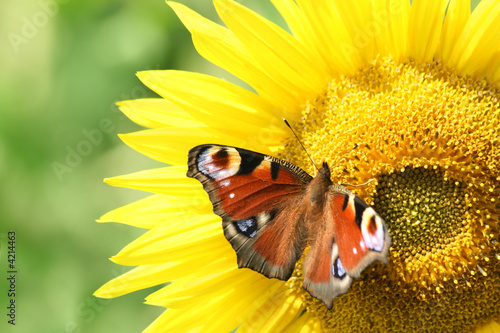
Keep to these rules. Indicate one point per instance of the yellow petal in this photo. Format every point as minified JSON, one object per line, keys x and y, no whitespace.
{"x":211,"y":310}
{"x":389,"y":25}
{"x":399,"y":20}
{"x":278,"y":53}
{"x":491,"y":327}
{"x":426,"y":23}
{"x":202,"y":287}
{"x":218,"y":104}
{"x":198,"y":239}
{"x":332,"y":37}
{"x":243,"y":304}
{"x":156,"y":112}
{"x":145,"y":276}
{"x":479,"y":40}
{"x":318,"y":27}
{"x":306,"y":323}
{"x":171,"y":145}
{"x":295,"y":19}
{"x":156,"y":209}
{"x":200,"y":94}
{"x":219,"y":45}
{"x":276,"y":314}
{"x":493,"y":68}
{"x":168,"y":180}
{"x":357,"y":15}
{"x":165,"y":318}
{"x":379,"y":28}
{"x":140,"y":277}
{"x":457,"y":14}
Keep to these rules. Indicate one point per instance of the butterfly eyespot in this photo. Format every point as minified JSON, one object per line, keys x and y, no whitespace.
{"x":372,"y":230}
{"x":247,"y":227}
{"x":338,"y":269}
{"x":218,"y":163}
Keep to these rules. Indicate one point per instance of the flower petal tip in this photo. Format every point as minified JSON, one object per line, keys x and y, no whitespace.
{"x":102,"y":293}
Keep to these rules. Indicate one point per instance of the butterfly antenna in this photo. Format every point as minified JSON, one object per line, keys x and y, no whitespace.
{"x":291,"y":129}
{"x":358,"y":185}
{"x":338,"y":165}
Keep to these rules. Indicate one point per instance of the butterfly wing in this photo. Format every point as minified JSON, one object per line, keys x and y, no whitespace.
{"x":360,"y":233}
{"x":325,"y":276}
{"x":258,"y":198}
{"x":352,"y":235}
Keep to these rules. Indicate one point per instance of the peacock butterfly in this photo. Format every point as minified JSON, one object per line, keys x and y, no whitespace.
{"x":271,"y":209}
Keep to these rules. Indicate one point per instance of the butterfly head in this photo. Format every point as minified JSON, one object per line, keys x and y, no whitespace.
{"x":324,"y":172}
{"x":319,"y":186}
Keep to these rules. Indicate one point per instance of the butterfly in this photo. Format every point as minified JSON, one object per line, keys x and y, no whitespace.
{"x":271,"y":210}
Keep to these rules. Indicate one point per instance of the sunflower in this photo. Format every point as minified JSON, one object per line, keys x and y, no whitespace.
{"x":404,"y":94}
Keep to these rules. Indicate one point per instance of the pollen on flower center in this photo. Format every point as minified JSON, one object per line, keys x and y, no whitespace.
{"x":431,"y":141}
{"x":430,"y":225}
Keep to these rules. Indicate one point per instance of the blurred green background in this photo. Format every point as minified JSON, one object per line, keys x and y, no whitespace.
{"x":64,"y":65}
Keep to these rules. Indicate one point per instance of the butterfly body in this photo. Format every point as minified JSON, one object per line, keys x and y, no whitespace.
{"x":272,"y":211}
